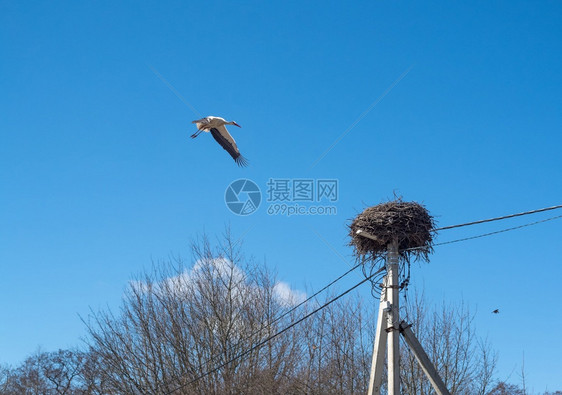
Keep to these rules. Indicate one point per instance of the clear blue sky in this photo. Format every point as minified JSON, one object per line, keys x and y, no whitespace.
{"x":99,"y":177}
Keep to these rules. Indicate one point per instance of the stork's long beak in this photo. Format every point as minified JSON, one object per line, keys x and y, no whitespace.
{"x":235,"y":124}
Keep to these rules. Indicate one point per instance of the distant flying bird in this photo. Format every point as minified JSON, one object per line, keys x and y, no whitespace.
{"x":496,"y":311}
{"x":216,"y":125}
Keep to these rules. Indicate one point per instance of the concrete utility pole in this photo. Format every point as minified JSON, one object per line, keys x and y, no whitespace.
{"x":389,"y":328}
{"x":393,"y":326}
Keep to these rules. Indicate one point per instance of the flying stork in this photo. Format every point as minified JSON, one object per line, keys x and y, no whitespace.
{"x":216,"y":125}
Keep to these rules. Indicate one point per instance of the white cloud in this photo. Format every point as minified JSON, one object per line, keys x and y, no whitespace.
{"x":216,"y":268}
{"x":286,"y":295}
{"x":139,"y":286}
{"x":221,"y":267}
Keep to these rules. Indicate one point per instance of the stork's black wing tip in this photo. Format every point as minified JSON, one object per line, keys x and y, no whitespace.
{"x":241,"y":161}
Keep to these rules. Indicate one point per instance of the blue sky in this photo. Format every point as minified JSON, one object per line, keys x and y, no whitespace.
{"x":99,"y":177}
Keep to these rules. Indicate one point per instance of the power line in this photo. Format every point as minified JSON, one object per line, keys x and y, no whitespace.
{"x":174,"y":90}
{"x":500,"y":218}
{"x":318,"y":292}
{"x":298,"y":305}
{"x":498,"y":231}
{"x":244,"y":353}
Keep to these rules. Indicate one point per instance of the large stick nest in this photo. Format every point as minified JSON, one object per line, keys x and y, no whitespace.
{"x":409,"y":223}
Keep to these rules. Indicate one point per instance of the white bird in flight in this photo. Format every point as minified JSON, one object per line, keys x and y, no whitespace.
{"x":216,"y":125}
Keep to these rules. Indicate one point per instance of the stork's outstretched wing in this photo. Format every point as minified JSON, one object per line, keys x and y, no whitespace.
{"x":201,"y":123}
{"x":226,"y":141}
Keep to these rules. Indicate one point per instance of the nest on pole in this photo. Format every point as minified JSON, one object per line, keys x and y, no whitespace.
{"x":407,"y":223}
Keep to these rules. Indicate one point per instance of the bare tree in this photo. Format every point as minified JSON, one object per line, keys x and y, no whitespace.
{"x":466,"y":364}
{"x":28,"y":377}
{"x":56,"y":373}
{"x":214,"y":327}
{"x":337,"y":348}
{"x":5,"y":373}
{"x":503,"y":388}
{"x":523,"y":378}
{"x":185,"y":326}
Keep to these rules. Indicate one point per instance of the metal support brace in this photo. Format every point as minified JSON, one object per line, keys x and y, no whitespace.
{"x":379,"y":350}
{"x":423,"y":359}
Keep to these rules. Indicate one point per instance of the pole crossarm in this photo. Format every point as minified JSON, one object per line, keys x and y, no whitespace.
{"x":362,"y":233}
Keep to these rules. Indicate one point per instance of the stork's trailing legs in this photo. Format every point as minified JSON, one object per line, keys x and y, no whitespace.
{"x":196,"y":134}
